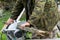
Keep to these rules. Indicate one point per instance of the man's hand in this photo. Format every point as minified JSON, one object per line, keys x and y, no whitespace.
{"x":24,"y":25}
{"x":9,"y":21}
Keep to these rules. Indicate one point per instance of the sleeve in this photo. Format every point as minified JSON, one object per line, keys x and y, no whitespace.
{"x":48,"y":18}
{"x":31,"y":4}
{"x":16,"y":9}
{"x":29,"y":7}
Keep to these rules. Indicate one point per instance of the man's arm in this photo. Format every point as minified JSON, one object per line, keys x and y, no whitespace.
{"x":30,"y":7}
{"x":17,"y":9}
{"x":15,"y":13}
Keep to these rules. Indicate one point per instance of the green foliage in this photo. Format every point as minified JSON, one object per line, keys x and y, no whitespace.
{"x":4,"y":18}
{"x":2,"y":36}
{"x":28,"y":35}
{"x":58,"y":36}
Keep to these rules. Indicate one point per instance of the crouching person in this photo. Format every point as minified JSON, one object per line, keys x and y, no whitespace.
{"x":41,"y":14}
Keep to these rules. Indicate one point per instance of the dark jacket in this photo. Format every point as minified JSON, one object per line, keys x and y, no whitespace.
{"x":20,"y":4}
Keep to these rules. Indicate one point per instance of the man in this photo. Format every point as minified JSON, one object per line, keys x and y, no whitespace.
{"x":42,"y":14}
